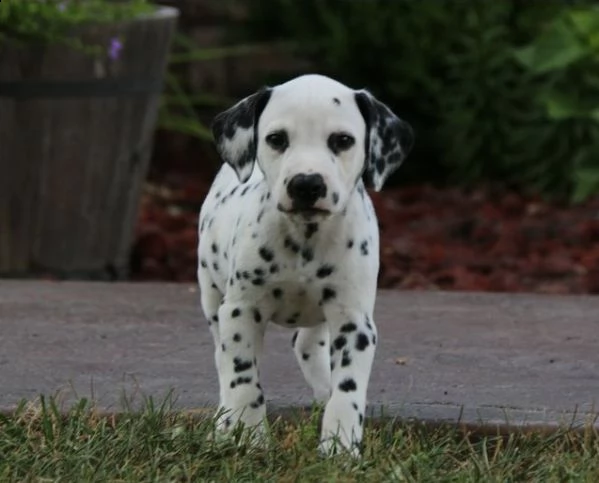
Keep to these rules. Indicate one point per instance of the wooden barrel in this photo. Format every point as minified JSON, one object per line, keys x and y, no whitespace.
{"x":76,"y":136}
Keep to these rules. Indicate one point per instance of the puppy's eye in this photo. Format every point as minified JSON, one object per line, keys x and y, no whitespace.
{"x":340,"y":142}
{"x":278,"y":140}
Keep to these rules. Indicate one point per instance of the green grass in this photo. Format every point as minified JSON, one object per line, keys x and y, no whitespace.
{"x":38,"y":442}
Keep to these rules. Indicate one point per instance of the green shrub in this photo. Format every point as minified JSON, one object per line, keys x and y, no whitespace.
{"x":53,"y":21}
{"x":565,"y":60}
{"x":455,"y":70}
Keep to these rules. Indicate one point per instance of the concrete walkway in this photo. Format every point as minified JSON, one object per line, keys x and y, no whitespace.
{"x":478,"y":358}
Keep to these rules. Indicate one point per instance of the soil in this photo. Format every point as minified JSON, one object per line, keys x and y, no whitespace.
{"x":488,"y":239}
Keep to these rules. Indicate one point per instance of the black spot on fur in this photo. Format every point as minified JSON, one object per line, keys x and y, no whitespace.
{"x":215,"y":318}
{"x":307,"y":254}
{"x":237,"y":337}
{"x":335,"y":197}
{"x":348,"y":385}
{"x":240,"y":365}
{"x":332,"y":365}
{"x":305,"y":356}
{"x":291,"y":244}
{"x":324,"y":271}
{"x":277,"y":293}
{"x":235,"y":313}
{"x":274,"y":268}
{"x":214,"y":248}
{"x":311,"y":228}
{"x":350,"y":244}
{"x":258,"y":402}
{"x":260,"y":215}
{"x":241,"y":380}
{"x":258,"y":281}
{"x":259,"y":272}
{"x":246,"y":275}
{"x":355,"y":406}
{"x":340,"y":342}
{"x":215,"y":266}
{"x":362,"y":341}
{"x":203,"y":263}
{"x":321,"y":343}
{"x":336,"y":101}
{"x":345,"y":360}
{"x":237,"y":275}
{"x":373,"y":339}
{"x":266,"y":254}
{"x":349,"y":327}
{"x":294,"y":338}
{"x":364,"y":247}
{"x":223,"y":347}
{"x":245,"y":190}
{"x":361,"y":418}
{"x":257,"y":316}
{"x":328,"y":294}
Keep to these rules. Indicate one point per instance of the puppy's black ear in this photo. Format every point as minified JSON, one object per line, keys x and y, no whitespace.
{"x":388,"y":139}
{"x":235,"y":132}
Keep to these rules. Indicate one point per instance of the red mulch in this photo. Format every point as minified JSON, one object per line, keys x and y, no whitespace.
{"x":449,"y":239}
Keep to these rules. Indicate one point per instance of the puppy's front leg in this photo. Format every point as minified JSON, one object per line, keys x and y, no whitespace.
{"x":241,"y":396}
{"x":353,"y":341}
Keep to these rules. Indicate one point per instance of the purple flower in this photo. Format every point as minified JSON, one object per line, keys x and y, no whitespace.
{"x":114,"y":50}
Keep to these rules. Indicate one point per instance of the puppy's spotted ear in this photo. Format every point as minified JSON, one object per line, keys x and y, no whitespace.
{"x":235,"y":133}
{"x":388,"y":139}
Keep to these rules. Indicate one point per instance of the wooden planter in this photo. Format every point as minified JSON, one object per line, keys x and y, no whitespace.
{"x":75,"y":141}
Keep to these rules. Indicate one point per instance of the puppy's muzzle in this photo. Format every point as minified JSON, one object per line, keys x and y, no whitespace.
{"x":305,"y":190}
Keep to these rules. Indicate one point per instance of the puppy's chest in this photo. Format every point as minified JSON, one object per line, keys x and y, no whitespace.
{"x":290,"y":287}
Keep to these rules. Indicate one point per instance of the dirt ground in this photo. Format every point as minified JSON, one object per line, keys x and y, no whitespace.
{"x":489,"y":239}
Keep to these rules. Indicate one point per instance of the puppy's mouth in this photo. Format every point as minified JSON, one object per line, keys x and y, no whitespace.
{"x":304,"y":212}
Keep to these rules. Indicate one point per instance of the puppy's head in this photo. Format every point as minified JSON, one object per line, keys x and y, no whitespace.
{"x":313,"y":139}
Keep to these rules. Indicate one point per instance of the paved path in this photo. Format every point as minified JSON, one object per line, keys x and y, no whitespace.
{"x":513,"y":359}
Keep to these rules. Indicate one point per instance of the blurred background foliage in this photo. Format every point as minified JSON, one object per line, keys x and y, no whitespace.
{"x":501,"y":92}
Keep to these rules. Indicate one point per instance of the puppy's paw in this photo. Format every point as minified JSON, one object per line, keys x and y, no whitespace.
{"x":229,"y":429}
{"x":332,"y":446}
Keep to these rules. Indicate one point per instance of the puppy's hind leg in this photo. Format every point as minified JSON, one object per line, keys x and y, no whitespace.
{"x":311,"y":347}
{"x":211,"y":299}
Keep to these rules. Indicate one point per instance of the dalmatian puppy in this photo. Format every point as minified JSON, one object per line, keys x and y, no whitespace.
{"x":288,"y":235}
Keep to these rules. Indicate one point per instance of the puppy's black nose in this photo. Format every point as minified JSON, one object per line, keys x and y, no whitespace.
{"x":305,"y":189}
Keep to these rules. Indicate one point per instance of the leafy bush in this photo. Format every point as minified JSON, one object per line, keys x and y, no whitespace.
{"x":564,"y":57}
{"x":457,"y":72}
{"x":52,"y":21}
